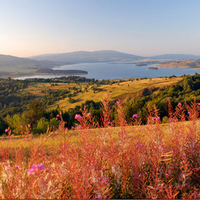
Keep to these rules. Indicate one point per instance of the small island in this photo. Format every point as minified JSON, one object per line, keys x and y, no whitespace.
{"x":153,"y":68}
{"x":141,"y":64}
{"x":61,"y":72}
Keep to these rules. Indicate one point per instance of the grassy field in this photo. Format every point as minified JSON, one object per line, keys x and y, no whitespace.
{"x":153,"y":161}
{"x":123,"y":90}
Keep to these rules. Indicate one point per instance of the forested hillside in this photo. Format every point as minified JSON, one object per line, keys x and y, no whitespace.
{"x":38,"y":102}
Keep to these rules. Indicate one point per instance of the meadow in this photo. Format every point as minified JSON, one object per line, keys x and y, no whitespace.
{"x":119,"y":89}
{"x":90,"y":161}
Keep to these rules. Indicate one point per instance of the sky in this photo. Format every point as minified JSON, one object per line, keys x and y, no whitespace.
{"x":139,"y":27}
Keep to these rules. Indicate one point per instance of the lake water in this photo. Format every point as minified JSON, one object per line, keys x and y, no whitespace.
{"x":118,"y":71}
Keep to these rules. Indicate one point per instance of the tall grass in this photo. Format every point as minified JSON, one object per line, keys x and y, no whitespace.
{"x":97,"y":161}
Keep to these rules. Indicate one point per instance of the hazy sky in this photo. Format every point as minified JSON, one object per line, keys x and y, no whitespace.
{"x":140,"y":27}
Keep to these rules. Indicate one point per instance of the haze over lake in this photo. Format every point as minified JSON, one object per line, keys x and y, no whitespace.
{"x":118,"y":71}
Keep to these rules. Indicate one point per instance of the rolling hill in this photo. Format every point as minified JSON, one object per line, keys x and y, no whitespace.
{"x":176,"y":56}
{"x":14,"y":66}
{"x":87,"y":57}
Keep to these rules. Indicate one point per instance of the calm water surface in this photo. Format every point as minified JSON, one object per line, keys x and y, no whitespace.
{"x":118,"y":70}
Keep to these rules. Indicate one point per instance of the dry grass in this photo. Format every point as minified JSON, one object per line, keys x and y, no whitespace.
{"x":152,"y":161}
{"x":116,"y":90}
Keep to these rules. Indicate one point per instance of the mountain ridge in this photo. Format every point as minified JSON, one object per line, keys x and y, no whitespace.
{"x":87,"y":56}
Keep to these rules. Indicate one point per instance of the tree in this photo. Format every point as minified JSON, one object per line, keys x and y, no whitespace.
{"x":35,"y":110}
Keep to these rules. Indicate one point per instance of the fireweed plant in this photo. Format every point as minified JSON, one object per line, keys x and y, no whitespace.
{"x":100,"y":161}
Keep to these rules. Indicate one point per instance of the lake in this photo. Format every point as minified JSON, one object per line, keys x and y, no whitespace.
{"x":118,"y":71}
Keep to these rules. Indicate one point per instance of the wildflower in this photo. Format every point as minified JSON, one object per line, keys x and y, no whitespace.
{"x":57,"y":115}
{"x":189,"y":112}
{"x":186,"y":185}
{"x":30,"y":171}
{"x":88,"y":115}
{"x":34,"y":167}
{"x":171,"y":119}
{"x":21,"y":126}
{"x":99,"y":197}
{"x":77,"y":116}
{"x":135,"y":116}
{"x":139,"y":145}
{"x":163,"y":148}
{"x":40,"y":167}
{"x":16,"y":167}
{"x":107,"y":179}
{"x":66,"y":129}
{"x":118,"y":103}
{"x":155,"y":118}
{"x":79,"y":127}
{"x":184,"y":155}
{"x":9,"y":167}
{"x":179,"y":104}
{"x":29,"y":126}
{"x":6,"y":130}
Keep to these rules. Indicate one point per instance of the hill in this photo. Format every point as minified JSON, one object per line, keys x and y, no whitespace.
{"x":176,"y":56}
{"x":87,"y":57}
{"x":15,"y":66}
{"x":194,"y":64}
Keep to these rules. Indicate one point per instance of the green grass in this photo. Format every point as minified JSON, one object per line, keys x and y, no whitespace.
{"x":123,"y":90}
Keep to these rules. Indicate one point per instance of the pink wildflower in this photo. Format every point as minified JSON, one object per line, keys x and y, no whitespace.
{"x":118,"y":103}
{"x":77,"y":116}
{"x":88,"y":115}
{"x":6,"y":130}
{"x":30,"y":171}
{"x":79,"y":127}
{"x":40,"y":166}
{"x":179,"y":104}
{"x":9,"y":167}
{"x":135,"y":116}
{"x":29,"y":126}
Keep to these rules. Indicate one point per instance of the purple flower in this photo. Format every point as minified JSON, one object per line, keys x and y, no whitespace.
{"x":30,"y":171}
{"x":135,"y":116}
{"x":139,"y":145}
{"x":88,"y":115}
{"x":79,"y":127}
{"x":29,"y":125}
{"x":163,"y":148}
{"x":155,"y":118}
{"x":118,"y":103}
{"x":99,"y":197}
{"x":34,"y":167}
{"x":9,"y":167}
{"x":77,"y":116}
{"x":171,"y":119}
{"x":41,"y":167}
